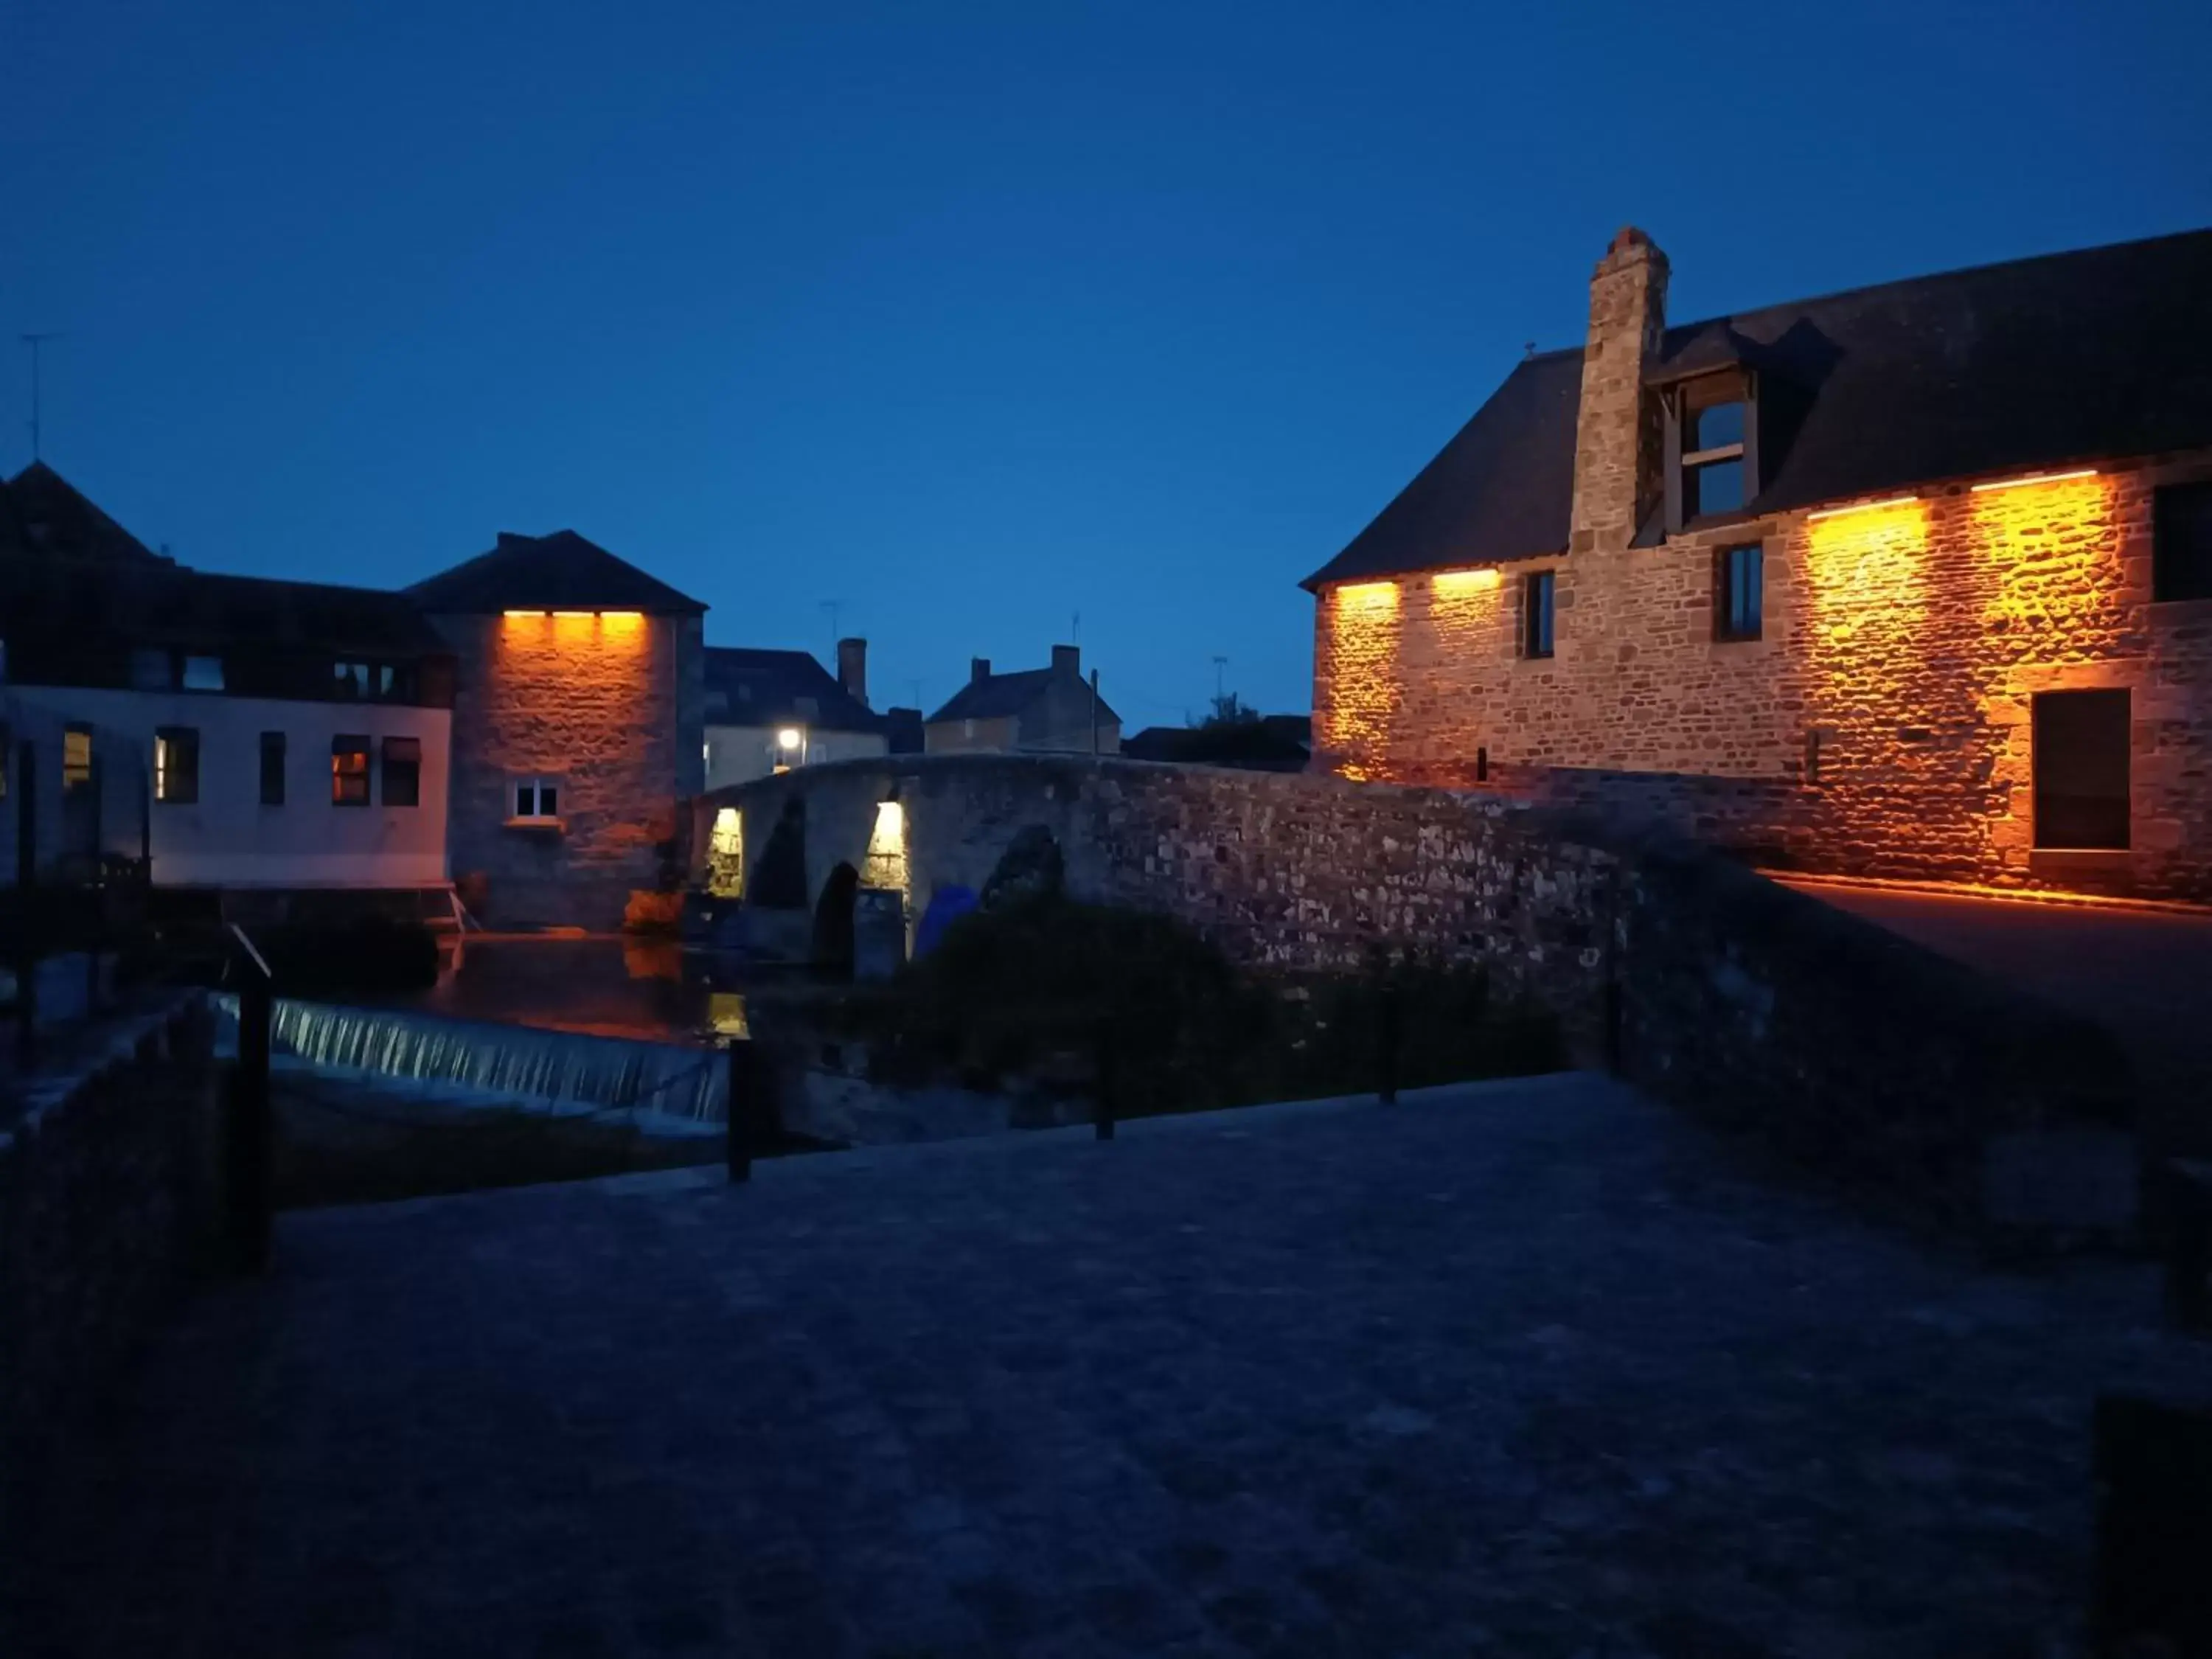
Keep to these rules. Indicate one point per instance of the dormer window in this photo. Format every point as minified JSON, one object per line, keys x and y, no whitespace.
{"x":1712,"y":461}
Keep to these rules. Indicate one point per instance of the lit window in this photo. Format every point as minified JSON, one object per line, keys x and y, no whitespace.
{"x":2080,"y":768}
{"x":2181,"y":542}
{"x":1739,"y":603}
{"x":202,"y":673}
{"x":176,"y":766}
{"x":403,"y":771}
{"x":272,"y":769}
{"x":1536,"y":596}
{"x":76,"y":758}
{"x":538,"y":798}
{"x":348,"y":771}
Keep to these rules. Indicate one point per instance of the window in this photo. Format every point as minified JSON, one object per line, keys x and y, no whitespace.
{"x":1536,"y":591}
{"x":1739,"y":602}
{"x":1712,"y":449}
{"x":348,"y":771}
{"x":150,"y":671}
{"x":2081,"y":765}
{"x":76,"y":758}
{"x":2181,"y":542}
{"x":202,"y":673}
{"x":536,"y":798}
{"x":7,"y":759}
{"x":176,"y":765}
{"x":403,"y":771}
{"x":272,"y":769}
{"x":353,"y":680}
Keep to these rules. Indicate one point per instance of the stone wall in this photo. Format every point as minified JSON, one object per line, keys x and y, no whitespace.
{"x":101,"y":1207}
{"x":1881,"y":722}
{"x":1845,"y":1048}
{"x":609,"y":710}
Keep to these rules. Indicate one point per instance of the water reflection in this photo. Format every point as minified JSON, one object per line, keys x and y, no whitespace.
{"x":641,"y":988}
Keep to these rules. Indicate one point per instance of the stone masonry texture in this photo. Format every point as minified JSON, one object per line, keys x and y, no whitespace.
{"x":610,"y":711}
{"x":1881,"y":723}
{"x":101,"y":1218}
{"x":1524,"y":1370}
{"x":1842,"y":1048}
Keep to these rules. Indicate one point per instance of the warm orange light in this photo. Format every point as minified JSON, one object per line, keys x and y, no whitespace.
{"x":1367,"y":598}
{"x":1450,"y":581}
{"x":2034,"y":478}
{"x":603,"y":616}
{"x":1862,"y":507}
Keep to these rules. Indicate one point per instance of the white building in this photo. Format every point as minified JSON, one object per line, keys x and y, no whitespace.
{"x":768,"y":710}
{"x":234,"y":732}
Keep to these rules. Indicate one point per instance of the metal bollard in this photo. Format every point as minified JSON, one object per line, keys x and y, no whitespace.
{"x":748,"y":1087}
{"x":1391,"y":1033}
{"x":252,"y":1125}
{"x":1106,"y":1084}
{"x":2189,"y":1244}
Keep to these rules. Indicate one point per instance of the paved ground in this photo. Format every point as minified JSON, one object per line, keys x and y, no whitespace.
{"x":1519,"y":1368}
{"x":2146,"y":975}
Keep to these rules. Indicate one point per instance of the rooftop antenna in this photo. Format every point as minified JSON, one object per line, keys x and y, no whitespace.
{"x":830,"y":605}
{"x":35,"y":341}
{"x":1528,"y":349}
{"x":1220,"y":663}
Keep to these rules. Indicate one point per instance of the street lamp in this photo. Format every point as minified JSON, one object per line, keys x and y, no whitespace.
{"x":790,"y":747}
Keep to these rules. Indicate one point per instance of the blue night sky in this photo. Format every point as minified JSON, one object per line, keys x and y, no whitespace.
{"x":966,"y":317}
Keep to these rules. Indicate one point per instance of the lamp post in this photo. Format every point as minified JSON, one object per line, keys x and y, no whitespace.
{"x":790,"y":748}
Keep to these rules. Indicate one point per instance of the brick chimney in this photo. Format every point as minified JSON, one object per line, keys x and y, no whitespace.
{"x":1067,"y":659}
{"x":1618,"y":436}
{"x":852,"y":669}
{"x":979,"y":669}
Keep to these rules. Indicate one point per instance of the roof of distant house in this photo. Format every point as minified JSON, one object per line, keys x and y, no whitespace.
{"x":75,"y":575}
{"x":2064,"y":360}
{"x":562,"y":571}
{"x":1275,"y":742}
{"x":747,"y":686}
{"x":1006,"y":696}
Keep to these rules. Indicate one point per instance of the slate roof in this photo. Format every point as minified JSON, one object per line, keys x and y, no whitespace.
{"x":1005,"y":697}
{"x":749,"y":687}
{"x":76,"y":579}
{"x":41,"y":512}
{"x":2067,"y":359}
{"x":562,"y":571}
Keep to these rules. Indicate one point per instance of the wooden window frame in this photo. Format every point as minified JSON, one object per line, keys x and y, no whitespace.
{"x":272,"y":745}
{"x":1727,"y":628}
{"x":345,"y":746}
{"x":1539,"y":622}
{"x":1686,"y":397}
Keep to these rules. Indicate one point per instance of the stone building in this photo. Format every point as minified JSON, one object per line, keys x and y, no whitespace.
{"x":1049,"y":710}
{"x":577,"y":728}
{"x":1911,"y":581}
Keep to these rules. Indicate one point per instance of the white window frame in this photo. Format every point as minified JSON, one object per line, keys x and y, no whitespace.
{"x":537,"y":784}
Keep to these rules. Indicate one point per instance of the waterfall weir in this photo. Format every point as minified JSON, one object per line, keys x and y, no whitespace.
{"x":564,"y":1071}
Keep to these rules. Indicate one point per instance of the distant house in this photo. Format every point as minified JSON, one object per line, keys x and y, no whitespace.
{"x":578,"y":727}
{"x":767,"y":710}
{"x":235,"y":732}
{"x":1273,"y":743}
{"x":1037,"y":710}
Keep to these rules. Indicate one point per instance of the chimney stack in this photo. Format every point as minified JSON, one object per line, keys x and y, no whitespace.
{"x":1618,"y":434}
{"x":852,"y":669}
{"x":1068,"y":658}
{"x":979,"y":669}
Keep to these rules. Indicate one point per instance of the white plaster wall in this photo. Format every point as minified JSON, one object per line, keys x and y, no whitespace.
{"x":228,"y":838}
{"x":739,"y":754}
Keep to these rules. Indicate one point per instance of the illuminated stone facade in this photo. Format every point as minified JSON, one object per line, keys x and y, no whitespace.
{"x":1880,"y":725}
{"x":608,"y":710}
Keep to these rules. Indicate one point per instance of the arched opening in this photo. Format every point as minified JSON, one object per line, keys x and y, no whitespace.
{"x":833,"y":922}
{"x":779,"y":880}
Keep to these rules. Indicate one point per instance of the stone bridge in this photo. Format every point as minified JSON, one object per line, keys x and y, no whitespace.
{"x":1847,"y":1048}
{"x":1300,"y":872}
